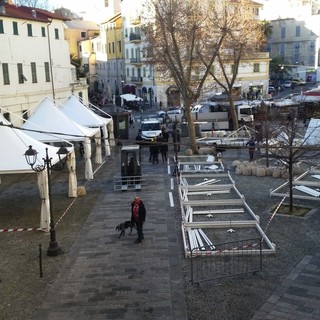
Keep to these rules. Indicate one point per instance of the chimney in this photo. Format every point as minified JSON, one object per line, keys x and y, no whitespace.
{"x":34,"y":13}
{"x":2,"y":6}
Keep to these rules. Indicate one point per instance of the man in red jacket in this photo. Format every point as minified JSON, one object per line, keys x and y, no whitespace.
{"x":138,"y":216}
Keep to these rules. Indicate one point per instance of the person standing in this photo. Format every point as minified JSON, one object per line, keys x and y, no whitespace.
{"x":138,"y":216}
{"x":252,"y":146}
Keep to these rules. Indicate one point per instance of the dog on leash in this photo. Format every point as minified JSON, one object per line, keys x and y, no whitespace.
{"x":125,"y":225}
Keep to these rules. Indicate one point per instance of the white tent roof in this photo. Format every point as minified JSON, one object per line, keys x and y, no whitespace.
{"x":312,"y":136}
{"x":14,"y":143}
{"x":48,"y":118}
{"x":74,"y":109}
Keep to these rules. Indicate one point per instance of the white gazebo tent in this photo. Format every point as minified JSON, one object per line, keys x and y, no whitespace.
{"x":16,"y":142}
{"x":79,"y":113}
{"x":312,"y":135}
{"x":48,"y":124}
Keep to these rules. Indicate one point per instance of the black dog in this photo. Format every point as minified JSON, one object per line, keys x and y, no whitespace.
{"x":123,"y":226}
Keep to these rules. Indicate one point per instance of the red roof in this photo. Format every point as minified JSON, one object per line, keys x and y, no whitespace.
{"x":28,"y":13}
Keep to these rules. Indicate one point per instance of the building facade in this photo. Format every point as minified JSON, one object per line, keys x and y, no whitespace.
{"x":295,"y":36}
{"x":35,"y":60}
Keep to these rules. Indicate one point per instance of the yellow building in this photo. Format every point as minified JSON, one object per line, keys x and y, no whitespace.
{"x":112,"y":77}
{"x":79,"y":30}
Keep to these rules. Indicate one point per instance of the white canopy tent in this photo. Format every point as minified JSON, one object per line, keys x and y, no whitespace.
{"x":16,"y":142}
{"x":312,"y":135}
{"x":49,"y":124}
{"x":75,"y":110}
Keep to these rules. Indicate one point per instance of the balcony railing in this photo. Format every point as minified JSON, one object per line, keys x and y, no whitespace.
{"x":135,"y":61}
{"x":135,"y":37}
{"x":136,"y":79}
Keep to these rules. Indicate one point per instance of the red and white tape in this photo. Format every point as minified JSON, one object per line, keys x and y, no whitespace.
{"x":22,"y":229}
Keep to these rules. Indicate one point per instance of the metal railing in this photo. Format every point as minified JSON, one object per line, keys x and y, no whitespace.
{"x":125,"y":183}
{"x":230,"y":259}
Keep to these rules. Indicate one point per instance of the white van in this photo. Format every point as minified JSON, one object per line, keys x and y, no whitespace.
{"x":150,"y":129}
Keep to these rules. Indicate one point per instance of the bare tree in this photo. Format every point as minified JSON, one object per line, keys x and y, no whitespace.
{"x":40,"y":4}
{"x":180,"y":35}
{"x":294,"y":148}
{"x":241,"y":45}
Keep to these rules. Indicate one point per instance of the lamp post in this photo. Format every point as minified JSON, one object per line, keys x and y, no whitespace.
{"x":31,"y":158}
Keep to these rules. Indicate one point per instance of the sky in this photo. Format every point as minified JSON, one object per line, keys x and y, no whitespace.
{"x":77,"y":6}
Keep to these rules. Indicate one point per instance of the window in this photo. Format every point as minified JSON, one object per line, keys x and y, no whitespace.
{"x":119,"y":45}
{"x":56,"y":34}
{"x":256,"y":67}
{"x":83,"y":34}
{"x":283,"y":32}
{"x":128,"y":72}
{"x":47,"y":71}
{"x":312,"y":46}
{"x":15,"y":28}
{"x":5,"y":72}
{"x":112,"y":47}
{"x":43,"y":31}
{"x":109,"y":47}
{"x":311,"y":59}
{"x":106,"y":3}
{"x":29,"y":29}
{"x":282,"y":50}
{"x":297,"y":31}
{"x":34,"y":72}
{"x":232,"y":68}
{"x":21,"y":76}
{"x":1,"y":26}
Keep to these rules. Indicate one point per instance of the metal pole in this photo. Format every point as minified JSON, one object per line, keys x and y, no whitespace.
{"x":40,"y":260}
{"x":54,"y":248}
{"x":50,"y":62}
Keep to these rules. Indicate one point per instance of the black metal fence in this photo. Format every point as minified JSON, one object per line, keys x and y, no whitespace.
{"x":228,"y":259}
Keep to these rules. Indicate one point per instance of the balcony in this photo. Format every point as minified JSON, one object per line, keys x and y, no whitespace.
{"x":136,"y":80}
{"x":135,"y":37}
{"x":136,"y":61}
{"x":135,"y":20}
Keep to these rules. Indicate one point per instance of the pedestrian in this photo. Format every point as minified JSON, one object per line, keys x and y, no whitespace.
{"x":252,"y":146}
{"x":154,"y":150}
{"x":163,"y":148}
{"x":176,"y":140}
{"x":81,"y":148}
{"x":131,"y":122}
{"x":138,"y":216}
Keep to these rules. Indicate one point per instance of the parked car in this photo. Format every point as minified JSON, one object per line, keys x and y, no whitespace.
{"x":298,"y":82}
{"x":287,"y":84}
{"x":271,"y":89}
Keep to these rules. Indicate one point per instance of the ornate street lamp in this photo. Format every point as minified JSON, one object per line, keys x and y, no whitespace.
{"x":31,"y":158}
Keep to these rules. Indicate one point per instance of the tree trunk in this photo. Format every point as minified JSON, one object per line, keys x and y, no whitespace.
{"x":192,"y":131}
{"x":233,"y":113}
{"x":290,"y":165}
